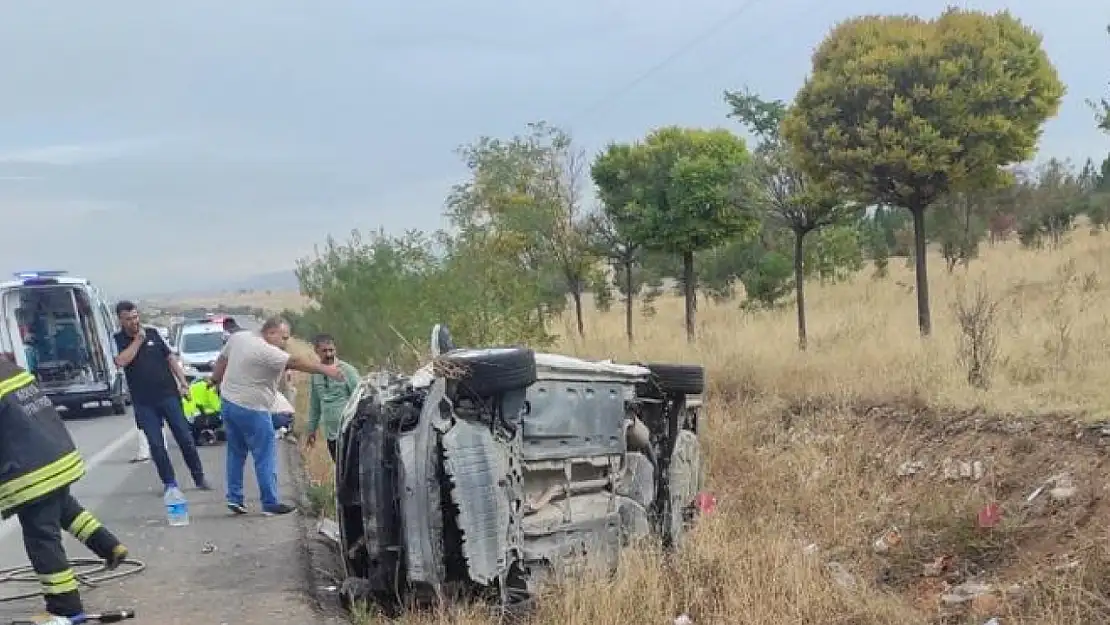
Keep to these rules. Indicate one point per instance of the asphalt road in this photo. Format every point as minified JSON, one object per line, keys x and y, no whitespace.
{"x":254,"y":574}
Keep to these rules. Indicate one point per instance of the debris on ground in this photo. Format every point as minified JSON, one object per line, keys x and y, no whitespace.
{"x":840,"y":575}
{"x":959,"y":469}
{"x":906,"y":469}
{"x":1062,"y":488}
{"x":328,"y":529}
{"x":989,"y":516}
{"x":966,"y":593}
{"x":940,"y":566}
{"x":889,"y":539}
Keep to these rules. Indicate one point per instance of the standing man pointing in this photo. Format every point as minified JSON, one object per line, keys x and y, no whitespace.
{"x":248,"y":372}
{"x":157,"y":383}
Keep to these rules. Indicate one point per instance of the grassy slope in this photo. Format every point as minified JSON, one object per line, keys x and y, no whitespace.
{"x":804,"y":449}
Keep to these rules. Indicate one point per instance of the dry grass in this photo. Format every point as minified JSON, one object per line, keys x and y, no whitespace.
{"x":1053,"y":323}
{"x":807,"y":477}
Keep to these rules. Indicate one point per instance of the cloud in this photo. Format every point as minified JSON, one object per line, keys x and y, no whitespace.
{"x":77,"y":153}
{"x":153,"y":146}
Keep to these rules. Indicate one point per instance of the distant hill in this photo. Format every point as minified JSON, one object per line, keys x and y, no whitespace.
{"x":270,"y":281}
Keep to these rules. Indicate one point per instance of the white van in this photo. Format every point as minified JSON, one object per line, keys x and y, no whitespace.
{"x":60,"y":329}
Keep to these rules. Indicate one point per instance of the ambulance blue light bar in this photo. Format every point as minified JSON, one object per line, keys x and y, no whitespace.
{"x":31,"y":278}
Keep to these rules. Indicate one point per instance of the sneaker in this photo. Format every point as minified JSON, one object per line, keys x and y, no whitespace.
{"x":53,"y":619}
{"x":278,"y":510}
{"x":119,"y":555}
{"x":236,"y":508}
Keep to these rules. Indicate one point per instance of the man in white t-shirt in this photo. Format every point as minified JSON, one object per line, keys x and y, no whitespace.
{"x":248,"y":372}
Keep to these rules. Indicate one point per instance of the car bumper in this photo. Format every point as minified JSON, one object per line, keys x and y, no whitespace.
{"x":77,"y":398}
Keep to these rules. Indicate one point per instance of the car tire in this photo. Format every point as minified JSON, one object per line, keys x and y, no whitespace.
{"x":672,"y":379}
{"x":684,"y":481}
{"x":376,"y":462}
{"x":489,"y":372}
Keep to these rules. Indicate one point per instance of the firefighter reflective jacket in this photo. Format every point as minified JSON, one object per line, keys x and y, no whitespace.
{"x":37,"y":455}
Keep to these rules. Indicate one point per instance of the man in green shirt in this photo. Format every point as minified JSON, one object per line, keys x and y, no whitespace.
{"x":327,"y":397}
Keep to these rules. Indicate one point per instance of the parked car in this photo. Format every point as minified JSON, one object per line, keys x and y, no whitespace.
{"x":199,"y":344}
{"x":489,"y":468}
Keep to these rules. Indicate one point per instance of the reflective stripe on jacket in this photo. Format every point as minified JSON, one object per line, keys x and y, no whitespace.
{"x":37,"y":455}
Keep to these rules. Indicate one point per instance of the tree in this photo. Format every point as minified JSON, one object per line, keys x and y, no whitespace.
{"x":958,"y":222}
{"x":789,"y":198}
{"x":369,"y":292}
{"x":615,"y":240}
{"x":1102,"y":108}
{"x":679,"y":189}
{"x":1054,"y":198}
{"x":528,"y":189}
{"x":900,"y":111}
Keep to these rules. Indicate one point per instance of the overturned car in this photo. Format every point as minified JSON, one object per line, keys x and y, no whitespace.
{"x":488,"y":468}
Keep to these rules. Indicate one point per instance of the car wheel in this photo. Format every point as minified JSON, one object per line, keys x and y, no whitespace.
{"x":489,"y":372}
{"x":674,"y":379}
{"x":377,"y":464}
{"x":683,"y":483}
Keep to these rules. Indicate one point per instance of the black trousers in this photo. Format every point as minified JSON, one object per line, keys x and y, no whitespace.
{"x":331,"y":449}
{"x":42,"y":522}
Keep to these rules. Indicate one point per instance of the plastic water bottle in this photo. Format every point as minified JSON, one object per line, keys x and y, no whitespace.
{"x":177,"y":507}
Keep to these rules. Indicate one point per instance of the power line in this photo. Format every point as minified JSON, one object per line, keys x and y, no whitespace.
{"x":694,"y":42}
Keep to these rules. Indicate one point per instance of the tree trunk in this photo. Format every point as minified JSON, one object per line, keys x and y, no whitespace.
{"x":576,"y":293}
{"x":628,"y":302}
{"x":799,"y":286}
{"x":691,"y":288}
{"x":924,"y":317}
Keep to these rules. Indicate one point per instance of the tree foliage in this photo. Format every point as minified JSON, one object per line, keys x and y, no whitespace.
{"x":678,"y":191}
{"x":1102,"y":108}
{"x":900,"y":110}
{"x":957,"y":222}
{"x":525,"y":196}
{"x":1052,"y":198}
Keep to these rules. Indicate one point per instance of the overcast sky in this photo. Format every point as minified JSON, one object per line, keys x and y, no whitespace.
{"x":156,"y":145}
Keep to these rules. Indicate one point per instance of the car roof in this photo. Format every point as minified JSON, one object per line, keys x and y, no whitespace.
{"x":55,"y":281}
{"x":202,"y":328}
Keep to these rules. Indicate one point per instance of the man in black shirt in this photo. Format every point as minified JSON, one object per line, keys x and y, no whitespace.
{"x":157,"y":383}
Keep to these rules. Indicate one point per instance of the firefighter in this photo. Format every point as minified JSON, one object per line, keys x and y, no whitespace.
{"x":38,"y":463}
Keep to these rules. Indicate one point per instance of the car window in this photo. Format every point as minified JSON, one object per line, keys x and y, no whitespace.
{"x":205,"y":342}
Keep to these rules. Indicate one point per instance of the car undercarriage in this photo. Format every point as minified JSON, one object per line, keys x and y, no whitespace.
{"x":488,"y":469}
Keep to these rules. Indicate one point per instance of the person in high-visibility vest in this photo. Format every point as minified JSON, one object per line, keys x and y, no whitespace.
{"x":38,"y":463}
{"x":202,"y":408}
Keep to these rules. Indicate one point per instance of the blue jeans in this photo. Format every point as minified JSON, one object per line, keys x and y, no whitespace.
{"x":149,"y":418}
{"x":250,"y":431}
